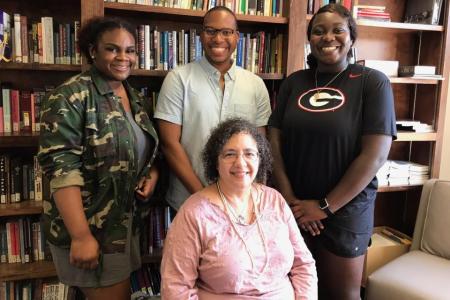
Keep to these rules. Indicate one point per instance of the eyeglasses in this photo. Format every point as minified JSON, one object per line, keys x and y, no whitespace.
{"x":5,"y":49}
{"x":232,"y":156}
{"x":212,"y":32}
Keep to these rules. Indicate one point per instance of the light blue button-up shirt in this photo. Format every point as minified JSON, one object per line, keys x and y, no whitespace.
{"x":191,"y":96}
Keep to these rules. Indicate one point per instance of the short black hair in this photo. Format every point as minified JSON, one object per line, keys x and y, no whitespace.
{"x":221,"y":8}
{"x":344,"y":13}
{"x":91,"y":32}
{"x":222,"y":134}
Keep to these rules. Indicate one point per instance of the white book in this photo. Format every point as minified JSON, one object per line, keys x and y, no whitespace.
{"x":47,"y":40}
{"x":174,"y":49}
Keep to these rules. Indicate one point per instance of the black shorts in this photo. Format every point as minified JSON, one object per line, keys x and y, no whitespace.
{"x":348,"y":232}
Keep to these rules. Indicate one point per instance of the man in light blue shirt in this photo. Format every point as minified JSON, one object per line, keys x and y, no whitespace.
{"x":194,"y":98}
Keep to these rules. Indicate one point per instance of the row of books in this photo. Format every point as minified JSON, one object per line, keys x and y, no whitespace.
{"x":146,"y":281}
{"x":259,"y":53}
{"x":19,"y":110}
{"x":22,"y":180}
{"x":245,"y":7}
{"x":399,"y":173}
{"x":42,"y":41}
{"x":22,"y":241}
{"x":154,"y":233}
{"x":38,"y":289}
{"x":371,"y":13}
{"x":314,"y":5}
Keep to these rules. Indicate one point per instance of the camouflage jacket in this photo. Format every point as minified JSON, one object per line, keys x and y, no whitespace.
{"x":87,"y":141}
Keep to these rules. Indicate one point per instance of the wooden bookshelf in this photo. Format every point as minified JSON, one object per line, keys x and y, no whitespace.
{"x":39,"y":67}
{"x":162,"y":73}
{"x":416,"y":137}
{"x":19,"y":139}
{"x":150,"y":9}
{"x":402,"y":188}
{"x":19,"y":271}
{"x":411,"y":80}
{"x":28,"y":207}
{"x":394,"y":25}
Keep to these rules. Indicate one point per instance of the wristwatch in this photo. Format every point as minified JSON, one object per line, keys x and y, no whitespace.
{"x":323,"y":205}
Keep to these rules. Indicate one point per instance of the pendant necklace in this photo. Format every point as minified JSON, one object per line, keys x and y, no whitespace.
{"x":316,"y":95}
{"x":227,"y":208}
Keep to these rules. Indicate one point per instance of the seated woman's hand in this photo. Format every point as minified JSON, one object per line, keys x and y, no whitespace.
{"x":84,"y":252}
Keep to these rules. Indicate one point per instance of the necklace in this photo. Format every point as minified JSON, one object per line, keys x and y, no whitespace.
{"x":261,"y":233}
{"x":238,"y":216}
{"x":316,"y":95}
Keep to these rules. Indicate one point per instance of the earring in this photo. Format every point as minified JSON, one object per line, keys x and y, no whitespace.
{"x":93,"y":57}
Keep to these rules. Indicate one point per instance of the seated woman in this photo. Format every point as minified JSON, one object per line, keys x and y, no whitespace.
{"x":236,"y":238}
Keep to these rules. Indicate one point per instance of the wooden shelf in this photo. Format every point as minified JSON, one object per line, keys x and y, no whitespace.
{"x":29,"y":207}
{"x":39,"y":67}
{"x":416,"y":137}
{"x":19,"y":139}
{"x":19,"y":271}
{"x":395,"y":25}
{"x":189,"y":12}
{"x":152,"y":258}
{"x":416,"y":80}
{"x":402,"y":188}
{"x":162,"y":73}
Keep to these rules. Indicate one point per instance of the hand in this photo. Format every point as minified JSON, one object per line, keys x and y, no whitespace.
{"x":307,"y":211}
{"x":146,"y":186}
{"x":313,"y":227}
{"x":84,"y":252}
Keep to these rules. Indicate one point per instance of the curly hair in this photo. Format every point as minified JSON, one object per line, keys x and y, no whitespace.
{"x":221,"y":135}
{"x":91,"y":32}
{"x":341,"y":11}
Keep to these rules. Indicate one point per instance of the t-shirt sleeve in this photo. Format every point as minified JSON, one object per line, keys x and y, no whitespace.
{"x":169,"y":106}
{"x":181,"y":256}
{"x":277,"y":116}
{"x":263,"y":104}
{"x":378,"y":108}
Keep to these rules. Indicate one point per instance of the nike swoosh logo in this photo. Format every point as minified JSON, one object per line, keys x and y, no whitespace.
{"x":354,"y":75}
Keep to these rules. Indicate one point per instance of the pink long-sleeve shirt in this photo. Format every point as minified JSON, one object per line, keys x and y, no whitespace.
{"x":204,"y":258}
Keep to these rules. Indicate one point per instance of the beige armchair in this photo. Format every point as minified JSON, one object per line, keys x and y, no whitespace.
{"x":424,"y":272}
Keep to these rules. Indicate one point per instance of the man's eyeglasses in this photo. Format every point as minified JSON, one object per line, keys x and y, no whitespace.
{"x":225,"y":32}
{"x":5,"y":49}
{"x":232,"y":156}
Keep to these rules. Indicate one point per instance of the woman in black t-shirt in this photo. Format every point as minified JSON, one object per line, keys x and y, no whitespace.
{"x":330,"y":132}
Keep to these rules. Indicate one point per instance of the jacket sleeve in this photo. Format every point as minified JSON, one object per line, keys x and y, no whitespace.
{"x":60,"y":142}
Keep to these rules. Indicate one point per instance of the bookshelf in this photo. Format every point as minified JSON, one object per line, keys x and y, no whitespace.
{"x":421,"y":99}
{"x":25,"y":76}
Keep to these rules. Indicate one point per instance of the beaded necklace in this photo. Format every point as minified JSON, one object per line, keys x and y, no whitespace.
{"x":261,"y":233}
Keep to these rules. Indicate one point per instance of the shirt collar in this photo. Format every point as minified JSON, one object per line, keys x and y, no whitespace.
{"x":211,"y":70}
{"x":99,"y":81}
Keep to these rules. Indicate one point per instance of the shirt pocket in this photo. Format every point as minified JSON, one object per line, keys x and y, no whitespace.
{"x":100,"y":139}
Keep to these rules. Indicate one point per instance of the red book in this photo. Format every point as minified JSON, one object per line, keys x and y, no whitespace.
{"x":347,"y":4}
{"x":15,"y":110}
{"x":26,"y":116}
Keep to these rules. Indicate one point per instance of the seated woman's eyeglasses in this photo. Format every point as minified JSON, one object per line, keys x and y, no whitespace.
{"x":232,"y":156}
{"x":5,"y":49}
{"x":212,"y":32}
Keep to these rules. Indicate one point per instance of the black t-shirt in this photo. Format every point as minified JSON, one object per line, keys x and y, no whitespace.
{"x":322,"y":127}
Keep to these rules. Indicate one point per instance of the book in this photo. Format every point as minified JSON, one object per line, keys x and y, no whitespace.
{"x":423,"y":11}
{"x":407,"y":71}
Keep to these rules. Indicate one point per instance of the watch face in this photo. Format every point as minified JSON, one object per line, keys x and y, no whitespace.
{"x":323,"y":204}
